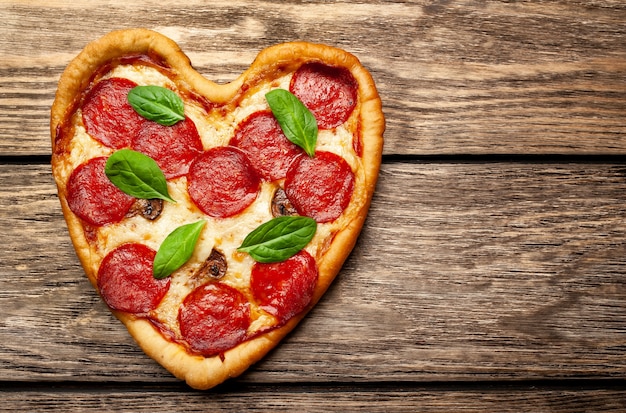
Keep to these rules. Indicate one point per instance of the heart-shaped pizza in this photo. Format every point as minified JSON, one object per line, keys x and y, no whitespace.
{"x":210,"y":218}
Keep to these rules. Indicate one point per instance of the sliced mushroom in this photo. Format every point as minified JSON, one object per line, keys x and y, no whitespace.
{"x":281,"y":206}
{"x":214,"y":267}
{"x":150,"y":209}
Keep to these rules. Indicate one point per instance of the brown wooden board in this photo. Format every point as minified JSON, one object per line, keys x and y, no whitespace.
{"x":455,"y":77}
{"x":490,"y":274}
{"x":397,"y":398}
{"x":463,"y":272}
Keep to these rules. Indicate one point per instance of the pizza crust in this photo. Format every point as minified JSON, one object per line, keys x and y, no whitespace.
{"x":200,"y":372}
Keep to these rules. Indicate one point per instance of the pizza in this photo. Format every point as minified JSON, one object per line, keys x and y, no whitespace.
{"x":211,"y":217}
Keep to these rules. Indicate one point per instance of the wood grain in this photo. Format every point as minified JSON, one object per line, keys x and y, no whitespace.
{"x":460,"y":77}
{"x":490,"y":271}
{"x":311,"y":398}
{"x":490,"y":275}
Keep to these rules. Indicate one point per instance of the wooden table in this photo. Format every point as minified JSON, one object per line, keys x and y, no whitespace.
{"x":491,"y":272}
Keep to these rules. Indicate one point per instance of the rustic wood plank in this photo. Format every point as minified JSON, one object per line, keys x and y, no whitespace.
{"x":306,"y":398}
{"x":455,"y":77}
{"x":486,"y":271}
{"x":476,"y":286}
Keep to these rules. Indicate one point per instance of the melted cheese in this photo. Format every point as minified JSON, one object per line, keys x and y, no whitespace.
{"x":227,"y":234}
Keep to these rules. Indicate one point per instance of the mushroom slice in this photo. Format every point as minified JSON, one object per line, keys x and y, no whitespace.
{"x":281,"y":206}
{"x":150,"y":209}
{"x":214,"y":267}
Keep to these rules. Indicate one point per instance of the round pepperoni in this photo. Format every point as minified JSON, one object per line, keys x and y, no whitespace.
{"x":222,"y":182}
{"x":107,"y":115}
{"x":285,"y":288}
{"x":172,"y":147}
{"x":126,"y":282}
{"x":320,"y":187}
{"x":93,"y":197}
{"x":269,"y":149}
{"x":329,"y":92}
{"x":214,"y":318}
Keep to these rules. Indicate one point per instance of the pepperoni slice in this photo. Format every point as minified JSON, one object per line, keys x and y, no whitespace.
{"x":214,"y":318}
{"x":222,"y":182}
{"x":329,"y":92}
{"x":320,"y":187}
{"x":262,"y":138}
{"x":93,"y":197}
{"x":126,"y":282}
{"x":172,"y":147}
{"x":285,"y":288}
{"x":107,"y":115}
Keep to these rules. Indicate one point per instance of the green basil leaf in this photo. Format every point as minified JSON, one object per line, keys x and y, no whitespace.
{"x":176,"y":249}
{"x":280,"y":238}
{"x":295,"y":119}
{"x":137,"y":175}
{"x":157,"y":103}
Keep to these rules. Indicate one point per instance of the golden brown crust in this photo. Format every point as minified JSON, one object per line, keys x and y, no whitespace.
{"x":200,"y":372}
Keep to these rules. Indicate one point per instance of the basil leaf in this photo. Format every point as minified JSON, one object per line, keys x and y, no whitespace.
{"x":157,"y":103}
{"x":295,"y":119}
{"x":176,"y":249}
{"x":137,"y":175}
{"x":280,"y":238}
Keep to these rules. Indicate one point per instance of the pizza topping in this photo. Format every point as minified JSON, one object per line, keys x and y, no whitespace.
{"x":125,"y":279}
{"x":278,"y":239}
{"x":107,"y":115}
{"x":214,"y":267}
{"x":320,"y":187}
{"x":150,"y":209}
{"x":214,"y":318}
{"x":329,"y":92}
{"x":269,"y":150}
{"x":281,"y":206}
{"x":176,"y":249}
{"x":222,"y":182}
{"x":285,"y":288}
{"x":172,"y":147}
{"x":296,"y":121}
{"x":158,"y":104}
{"x":137,"y":174}
{"x":92,"y":196}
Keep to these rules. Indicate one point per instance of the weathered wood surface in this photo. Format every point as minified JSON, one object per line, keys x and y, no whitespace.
{"x":377,"y":399}
{"x":491,"y":271}
{"x":455,"y":76}
{"x":480,"y":283}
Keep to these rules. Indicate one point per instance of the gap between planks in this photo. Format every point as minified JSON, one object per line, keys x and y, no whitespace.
{"x":400,"y":158}
{"x":587,"y":384}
